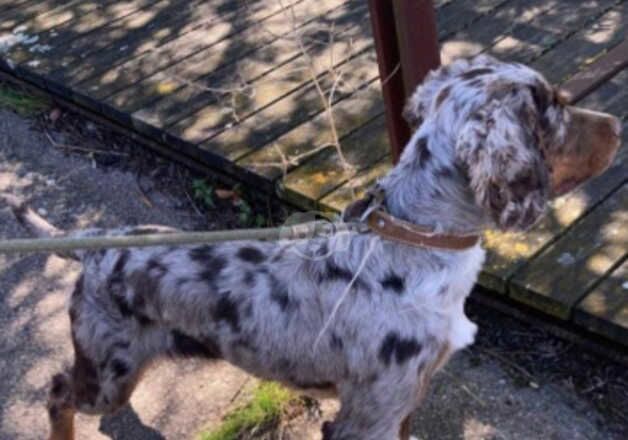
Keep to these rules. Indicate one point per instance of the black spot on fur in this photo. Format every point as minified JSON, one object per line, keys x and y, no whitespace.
{"x":143,"y":320}
{"x":86,"y":387}
{"x":123,"y":306}
{"x":119,"y":368}
{"x":328,"y":431}
{"x":445,"y":172}
{"x":115,"y":284}
{"x":202,"y":254}
{"x":279,"y":295}
{"x":59,"y":385}
{"x":212,"y":269}
{"x":322,"y":251}
{"x":53,"y":412}
{"x":476,"y":72}
{"x":281,"y":299}
{"x":249,"y":278}
{"x":401,"y":349}
{"x":189,"y":347}
{"x":540,"y":95}
{"x":336,"y":342}
{"x":227,"y":310}
{"x":332,"y":272}
{"x":423,"y":152}
{"x":476,"y":83}
{"x":393,"y":282}
{"x":156,"y":268}
{"x":251,"y":254}
{"x":442,"y":96}
{"x":116,"y":279}
{"x":335,"y":272}
{"x":312,"y":385}
{"x":78,"y":288}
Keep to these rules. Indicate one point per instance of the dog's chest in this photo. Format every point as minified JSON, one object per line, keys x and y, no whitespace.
{"x":456,"y":287}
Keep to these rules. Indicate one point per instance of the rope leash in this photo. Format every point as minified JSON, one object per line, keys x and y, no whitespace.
{"x":63,"y":243}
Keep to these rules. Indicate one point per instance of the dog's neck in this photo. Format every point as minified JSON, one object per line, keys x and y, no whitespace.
{"x":427,"y":189}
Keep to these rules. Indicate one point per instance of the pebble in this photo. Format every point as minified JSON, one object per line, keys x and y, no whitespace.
{"x":42,"y":211}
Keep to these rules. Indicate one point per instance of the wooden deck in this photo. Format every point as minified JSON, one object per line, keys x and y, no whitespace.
{"x":227,"y":84}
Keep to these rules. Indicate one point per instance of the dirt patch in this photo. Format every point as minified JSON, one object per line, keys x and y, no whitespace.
{"x":517,"y":382}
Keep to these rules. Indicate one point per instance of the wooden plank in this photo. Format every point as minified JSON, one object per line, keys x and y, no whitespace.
{"x":611,"y":96}
{"x":283,"y":97}
{"x":599,"y":72}
{"x":8,"y":5}
{"x":127,"y":37}
{"x":511,"y":17}
{"x":326,"y":172}
{"x":194,"y":90}
{"x":585,"y":47}
{"x":300,"y":123}
{"x":561,"y":275}
{"x":34,"y":14}
{"x":356,"y":187}
{"x":69,"y":25}
{"x":209,"y":16}
{"x":450,"y":19}
{"x":264,"y":76}
{"x":605,"y":309}
{"x":205,"y":121}
{"x":110,"y":81}
{"x":527,"y":43}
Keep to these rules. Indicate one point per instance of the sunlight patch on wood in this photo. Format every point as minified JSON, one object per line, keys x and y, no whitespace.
{"x":453,"y":49}
{"x":567,"y":209}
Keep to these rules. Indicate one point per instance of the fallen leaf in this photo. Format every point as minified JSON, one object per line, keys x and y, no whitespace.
{"x":225,"y":193}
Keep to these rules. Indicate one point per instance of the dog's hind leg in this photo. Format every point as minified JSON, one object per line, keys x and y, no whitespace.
{"x":90,"y":388}
{"x":61,"y":408}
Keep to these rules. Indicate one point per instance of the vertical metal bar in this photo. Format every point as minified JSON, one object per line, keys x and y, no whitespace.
{"x":407,"y":48}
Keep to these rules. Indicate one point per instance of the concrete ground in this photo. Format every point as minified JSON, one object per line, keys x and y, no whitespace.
{"x":503,"y":388}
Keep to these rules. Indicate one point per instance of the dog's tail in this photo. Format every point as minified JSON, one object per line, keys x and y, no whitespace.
{"x":35,"y":224}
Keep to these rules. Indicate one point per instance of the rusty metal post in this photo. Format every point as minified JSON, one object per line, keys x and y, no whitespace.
{"x":406,"y":40}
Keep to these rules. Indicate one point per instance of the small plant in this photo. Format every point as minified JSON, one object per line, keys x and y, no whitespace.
{"x":247,"y":217}
{"x":203,"y":192}
{"x":21,"y":102}
{"x":269,"y":402}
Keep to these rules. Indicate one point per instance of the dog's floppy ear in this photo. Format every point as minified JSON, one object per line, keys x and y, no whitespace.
{"x":499,"y":149}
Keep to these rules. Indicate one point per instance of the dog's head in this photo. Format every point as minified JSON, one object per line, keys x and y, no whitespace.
{"x":516,"y":139}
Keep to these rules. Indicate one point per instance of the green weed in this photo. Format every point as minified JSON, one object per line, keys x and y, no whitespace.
{"x":20,"y":101}
{"x":268,"y":404}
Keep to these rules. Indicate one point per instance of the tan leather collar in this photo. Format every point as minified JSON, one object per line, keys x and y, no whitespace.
{"x":395,"y":229}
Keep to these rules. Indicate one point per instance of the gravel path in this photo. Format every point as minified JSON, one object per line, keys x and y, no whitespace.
{"x":477,"y":397}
